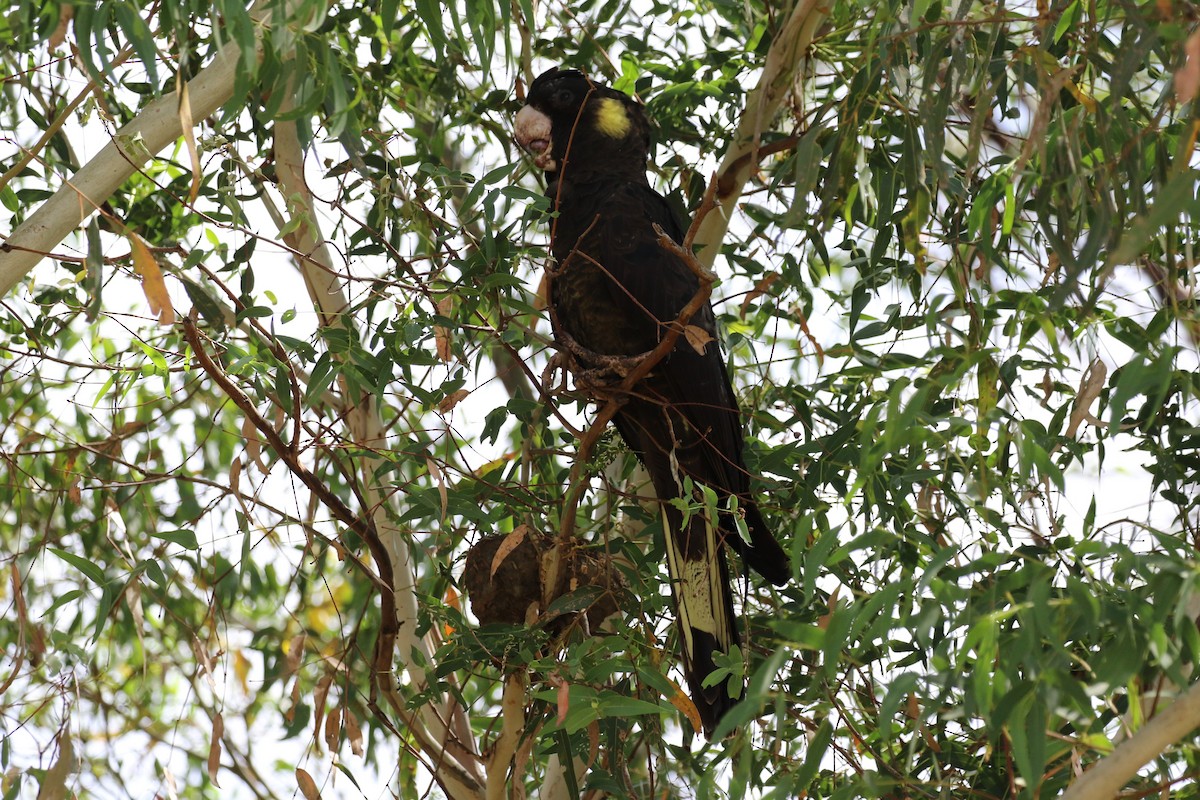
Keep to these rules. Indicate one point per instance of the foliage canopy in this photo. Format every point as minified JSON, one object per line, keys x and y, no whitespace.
{"x":958,"y":290}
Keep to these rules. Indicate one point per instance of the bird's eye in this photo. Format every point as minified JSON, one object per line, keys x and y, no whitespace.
{"x":563,"y":97}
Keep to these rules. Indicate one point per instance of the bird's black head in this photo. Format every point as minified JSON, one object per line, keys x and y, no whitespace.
{"x":574,"y":124}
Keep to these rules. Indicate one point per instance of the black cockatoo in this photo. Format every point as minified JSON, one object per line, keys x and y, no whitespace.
{"x":615,"y":290}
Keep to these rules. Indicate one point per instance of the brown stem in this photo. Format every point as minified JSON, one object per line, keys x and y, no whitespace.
{"x":290,"y":456}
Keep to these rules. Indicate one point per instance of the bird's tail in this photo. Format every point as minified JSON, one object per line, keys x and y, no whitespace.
{"x":705,"y":617}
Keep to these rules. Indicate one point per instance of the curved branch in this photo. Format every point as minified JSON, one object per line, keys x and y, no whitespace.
{"x":783,"y":59}
{"x":1105,"y":778}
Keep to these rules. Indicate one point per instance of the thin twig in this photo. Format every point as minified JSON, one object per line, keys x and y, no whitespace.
{"x":289,"y":455}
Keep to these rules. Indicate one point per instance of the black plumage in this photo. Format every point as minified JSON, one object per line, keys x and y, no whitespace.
{"x":615,"y":290}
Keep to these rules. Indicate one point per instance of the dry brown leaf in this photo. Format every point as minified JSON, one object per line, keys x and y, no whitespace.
{"x":452,"y":399}
{"x":320,"y":694}
{"x":760,"y":288}
{"x":1047,"y":387}
{"x":441,"y":335}
{"x":14,"y":575}
{"x":353,"y":732}
{"x":235,"y":474}
{"x":133,"y":601}
{"x":697,"y":337}
{"x":65,"y":14}
{"x":1187,"y":77}
{"x":532,"y":612}
{"x":593,"y":745}
{"x":803,"y":322}
{"x":929,"y":740}
{"x":153,"y":285}
{"x":823,"y":620}
{"x":294,"y":652}
{"x":290,"y":714}
{"x":308,"y":787}
{"x":541,"y":301}
{"x":253,"y":444}
{"x":564,"y":701}
{"x":205,"y":661}
{"x":333,"y":727}
{"x":1090,"y":387}
{"x":214,"y":748}
{"x":54,"y":785}
{"x":510,"y":543}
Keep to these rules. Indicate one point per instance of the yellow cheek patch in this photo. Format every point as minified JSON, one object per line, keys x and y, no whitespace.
{"x":611,"y":119}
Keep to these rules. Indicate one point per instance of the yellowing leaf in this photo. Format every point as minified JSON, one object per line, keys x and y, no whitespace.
{"x":189,"y":136}
{"x":214,"y":748}
{"x":452,"y":601}
{"x":684,"y":703}
{"x":153,"y":286}
{"x":241,"y":668}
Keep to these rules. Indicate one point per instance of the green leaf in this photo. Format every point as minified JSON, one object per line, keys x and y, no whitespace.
{"x":89,"y":568}
{"x":183,"y":537}
{"x":612,"y":704}
{"x":430,"y":13}
{"x":814,"y":754}
{"x":1176,"y":197}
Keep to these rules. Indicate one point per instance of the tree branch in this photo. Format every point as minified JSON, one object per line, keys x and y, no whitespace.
{"x":783,"y":58}
{"x":1105,"y":778}
{"x":154,"y":128}
{"x":449,"y":741}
